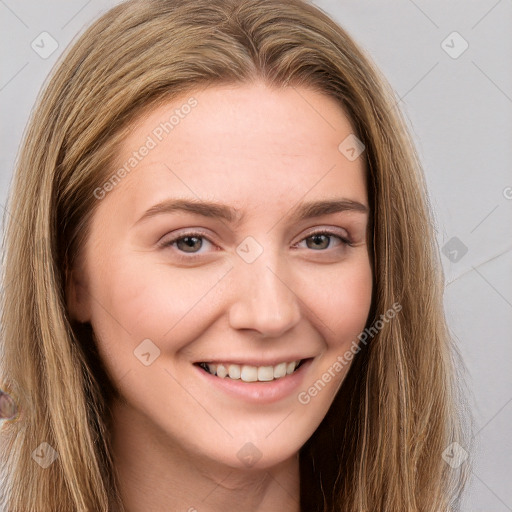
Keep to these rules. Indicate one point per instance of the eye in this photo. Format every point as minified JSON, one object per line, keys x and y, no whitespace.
{"x":187,"y":243}
{"x":322,"y":239}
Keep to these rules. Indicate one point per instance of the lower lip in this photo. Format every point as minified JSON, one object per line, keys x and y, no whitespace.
{"x":259,"y":392}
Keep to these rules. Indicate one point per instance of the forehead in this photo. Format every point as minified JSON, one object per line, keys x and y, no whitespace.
{"x":240,"y":144}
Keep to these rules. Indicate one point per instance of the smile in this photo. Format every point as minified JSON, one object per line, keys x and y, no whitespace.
{"x":248,"y":373}
{"x":264,"y":384}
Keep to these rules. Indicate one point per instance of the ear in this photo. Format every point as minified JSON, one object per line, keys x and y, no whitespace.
{"x":77,"y":296}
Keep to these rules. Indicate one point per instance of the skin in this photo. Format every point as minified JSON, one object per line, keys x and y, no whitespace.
{"x":262,"y":150}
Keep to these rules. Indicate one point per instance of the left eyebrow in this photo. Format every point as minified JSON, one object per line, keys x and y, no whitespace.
{"x":318,"y":208}
{"x":235,"y":216}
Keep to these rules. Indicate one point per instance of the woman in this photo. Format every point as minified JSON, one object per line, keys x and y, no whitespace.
{"x":299,"y":359}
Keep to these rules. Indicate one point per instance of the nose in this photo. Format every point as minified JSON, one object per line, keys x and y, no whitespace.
{"x":264,"y":299}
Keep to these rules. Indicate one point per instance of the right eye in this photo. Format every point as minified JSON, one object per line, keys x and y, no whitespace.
{"x":187,"y":243}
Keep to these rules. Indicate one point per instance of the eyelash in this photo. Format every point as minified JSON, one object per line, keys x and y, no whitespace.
{"x":199,"y":234}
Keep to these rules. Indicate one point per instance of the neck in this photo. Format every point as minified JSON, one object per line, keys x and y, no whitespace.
{"x":155,"y":472}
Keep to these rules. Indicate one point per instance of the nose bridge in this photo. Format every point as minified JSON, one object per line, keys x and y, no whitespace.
{"x":264,"y":299}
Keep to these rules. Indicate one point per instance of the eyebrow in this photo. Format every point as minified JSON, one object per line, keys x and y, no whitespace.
{"x":235,"y":216}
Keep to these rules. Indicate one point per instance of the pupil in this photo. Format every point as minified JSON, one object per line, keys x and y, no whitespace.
{"x":316,"y":239}
{"x":189,"y":242}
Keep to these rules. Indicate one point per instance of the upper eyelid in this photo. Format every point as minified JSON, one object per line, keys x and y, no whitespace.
{"x":331,"y":230}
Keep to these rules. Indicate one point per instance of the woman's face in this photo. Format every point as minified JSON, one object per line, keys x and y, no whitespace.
{"x":227,"y":270}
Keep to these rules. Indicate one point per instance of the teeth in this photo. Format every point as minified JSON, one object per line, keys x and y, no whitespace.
{"x":221,"y":370}
{"x":266,"y":373}
{"x":279,"y":370}
{"x":234,"y":371}
{"x":249,"y":373}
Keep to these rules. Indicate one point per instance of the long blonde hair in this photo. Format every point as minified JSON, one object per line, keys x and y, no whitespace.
{"x":402,"y":403}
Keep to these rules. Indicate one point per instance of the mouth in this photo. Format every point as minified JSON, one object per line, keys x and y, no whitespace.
{"x":249,"y":373}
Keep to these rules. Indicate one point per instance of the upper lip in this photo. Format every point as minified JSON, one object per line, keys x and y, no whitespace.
{"x":252,"y":362}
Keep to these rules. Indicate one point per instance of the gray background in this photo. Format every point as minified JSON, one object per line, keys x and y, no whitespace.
{"x":459,"y":109}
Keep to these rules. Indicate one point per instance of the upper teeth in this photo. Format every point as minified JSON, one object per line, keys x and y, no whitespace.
{"x":249,"y":373}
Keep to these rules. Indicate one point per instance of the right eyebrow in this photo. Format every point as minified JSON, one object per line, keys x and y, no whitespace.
{"x":204,"y":208}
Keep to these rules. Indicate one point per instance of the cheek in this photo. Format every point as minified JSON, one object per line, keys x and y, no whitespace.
{"x":341,"y":300}
{"x":137,"y":301}
{"x":341,"y":310}
{"x":142,"y":299}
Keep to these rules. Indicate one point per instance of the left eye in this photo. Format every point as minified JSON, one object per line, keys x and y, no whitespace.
{"x":319,"y":238}
{"x":191,"y":243}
